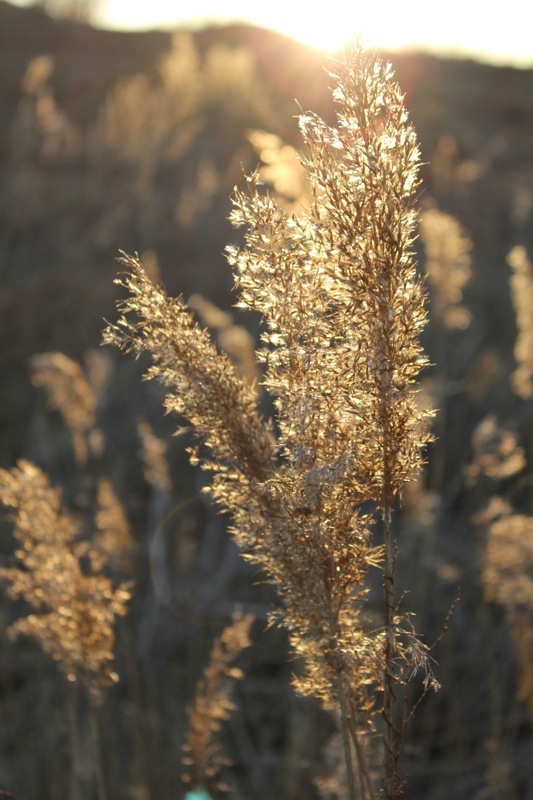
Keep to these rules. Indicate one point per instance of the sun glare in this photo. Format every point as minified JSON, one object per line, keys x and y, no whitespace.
{"x":460,"y":27}
{"x":464,"y":28}
{"x":305,"y":23}
{"x":329,"y":31}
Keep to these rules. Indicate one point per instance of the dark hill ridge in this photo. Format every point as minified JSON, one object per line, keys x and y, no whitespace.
{"x":464,"y":98}
{"x":487,"y":110}
{"x":87,"y":61}
{"x":440,"y":92}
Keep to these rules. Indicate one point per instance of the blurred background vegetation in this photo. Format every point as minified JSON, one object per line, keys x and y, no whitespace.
{"x":134,"y":141}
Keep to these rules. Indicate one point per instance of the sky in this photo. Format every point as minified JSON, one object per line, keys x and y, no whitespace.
{"x":491,"y":30}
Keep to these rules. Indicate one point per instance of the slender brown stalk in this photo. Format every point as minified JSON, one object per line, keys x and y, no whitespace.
{"x":97,"y":754}
{"x":364,"y":772}
{"x":345,"y":732}
{"x":72,"y":688}
{"x":389,"y":755}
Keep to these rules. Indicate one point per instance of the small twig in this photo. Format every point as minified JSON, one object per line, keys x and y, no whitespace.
{"x":447,"y":620}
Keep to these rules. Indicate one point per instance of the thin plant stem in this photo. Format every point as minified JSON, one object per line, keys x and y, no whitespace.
{"x":345,"y":734}
{"x":364,"y":772}
{"x":360,"y":772}
{"x":389,"y":756}
{"x":345,"y":731}
{"x":139,"y":768}
{"x":95,"y":737}
{"x":72,"y":695}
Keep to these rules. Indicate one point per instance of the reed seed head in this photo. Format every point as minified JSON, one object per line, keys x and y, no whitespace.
{"x":74,"y":611}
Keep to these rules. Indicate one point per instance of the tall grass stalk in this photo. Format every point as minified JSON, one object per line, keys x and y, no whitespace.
{"x":343,"y":308}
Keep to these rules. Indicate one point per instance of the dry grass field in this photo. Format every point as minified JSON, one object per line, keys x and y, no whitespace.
{"x":137,"y":654}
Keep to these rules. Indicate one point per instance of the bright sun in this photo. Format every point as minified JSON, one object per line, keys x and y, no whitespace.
{"x":457,"y":26}
{"x":302,"y":21}
{"x":329,"y":31}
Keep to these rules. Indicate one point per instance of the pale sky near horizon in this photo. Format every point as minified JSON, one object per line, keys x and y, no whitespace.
{"x":492,"y":31}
